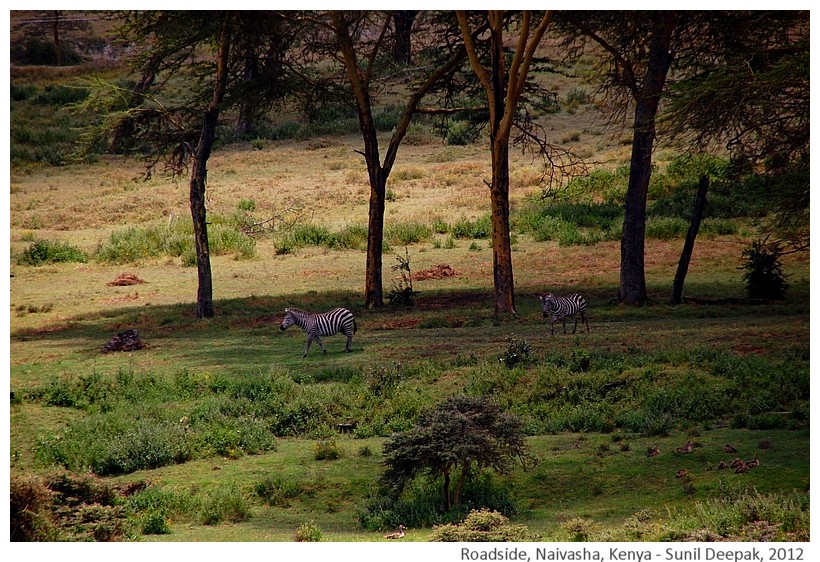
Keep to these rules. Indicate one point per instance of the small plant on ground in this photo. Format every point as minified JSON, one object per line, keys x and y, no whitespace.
{"x":308,"y":532}
{"x":402,"y":293}
{"x":483,"y":526}
{"x":518,"y":352}
{"x":326,"y":451}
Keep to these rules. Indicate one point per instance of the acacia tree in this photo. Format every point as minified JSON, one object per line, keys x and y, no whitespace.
{"x":753,"y":99}
{"x":360,"y":41}
{"x":457,"y":437}
{"x":183,"y":134}
{"x":503,"y":87}
{"x":639,"y":51}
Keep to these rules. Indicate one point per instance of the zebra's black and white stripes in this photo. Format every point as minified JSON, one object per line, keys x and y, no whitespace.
{"x":336,"y":321}
{"x":561,"y":307}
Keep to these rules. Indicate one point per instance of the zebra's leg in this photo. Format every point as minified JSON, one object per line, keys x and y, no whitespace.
{"x":564,"y":323}
{"x":576,"y":323}
{"x":584,"y":318}
{"x":307,"y":348}
{"x":349,"y":334}
{"x":320,"y":344}
{"x":552,"y":325}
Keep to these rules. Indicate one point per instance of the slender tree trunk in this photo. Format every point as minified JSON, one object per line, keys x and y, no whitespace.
{"x":55,"y":32}
{"x":462,"y":478}
{"x":199,"y":172}
{"x":500,"y":209}
{"x":689,"y":244}
{"x":445,"y":490}
{"x":403,"y":24}
{"x":633,"y":279}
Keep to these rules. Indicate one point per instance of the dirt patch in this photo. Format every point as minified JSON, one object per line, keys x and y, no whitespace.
{"x":125,"y":279}
{"x":455,"y":300}
{"x":124,"y":298}
{"x":401,"y":324}
{"x":441,"y":271}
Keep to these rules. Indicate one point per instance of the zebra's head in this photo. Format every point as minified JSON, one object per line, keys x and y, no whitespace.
{"x":288,"y":321}
{"x":547,"y":304}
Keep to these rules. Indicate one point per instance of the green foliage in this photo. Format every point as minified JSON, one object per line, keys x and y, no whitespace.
{"x":461,"y":133}
{"x":483,"y":526}
{"x":277,"y":491}
{"x":39,"y":51}
{"x":45,"y":251}
{"x":462,"y":432}
{"x":479,"y":228}
{"x":406,"y":233}
{"x":309,"y":532}
{"x":517,"y":353}
{"x":326,"y":451}
{"x":155,"y":523}
{"x":226,"y":503}
{"x":764,"y":275}
{"x":175,"y":240}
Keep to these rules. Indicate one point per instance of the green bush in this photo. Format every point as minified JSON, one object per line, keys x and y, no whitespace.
{"x":480,"y":228}
{"x":308,"y":532}
{"x":483,"y":526}
{"x":666,"y":228}
{"x":226,"y":503}
{"x":326,"y":451}
{"x":764,"y":275}
{"x":177,"y":240}
{"x":45,"y":251}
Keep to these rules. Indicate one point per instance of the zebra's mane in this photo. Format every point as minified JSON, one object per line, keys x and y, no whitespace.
{"x":298,"y":311}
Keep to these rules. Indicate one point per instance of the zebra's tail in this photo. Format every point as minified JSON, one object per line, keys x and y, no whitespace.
{"x":355,"y":326}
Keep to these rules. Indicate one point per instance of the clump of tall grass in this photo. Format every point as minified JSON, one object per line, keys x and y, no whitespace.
{"x":175,"y":240}
{"x":226,"y":503}
{"x":45,"y":251}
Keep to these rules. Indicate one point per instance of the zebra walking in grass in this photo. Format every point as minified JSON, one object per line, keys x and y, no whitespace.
{"x":336,"y":321}
{"x":561,"y":307}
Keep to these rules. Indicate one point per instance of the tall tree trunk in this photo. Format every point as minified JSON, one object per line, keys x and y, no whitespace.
{"x":373,"y":292}
{"x":403,"y":24}
{"x":500,"y":210}
{"x":199,"y":172}
{"x":55,"y":32}
{"x":503,"y":89}
{"x":633,"y":279}
{"x":248,"y":106}
{"x":689,"y":243}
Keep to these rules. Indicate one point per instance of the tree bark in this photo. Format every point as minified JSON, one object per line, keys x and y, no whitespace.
{"x":403,"y":24}
{"x":445,"y":490}
{"x":633,"y":279}
{"x":199,"y":172}
{"x":689,"y":243}
{"x":503,"y":89}
{"x":55,"y":32}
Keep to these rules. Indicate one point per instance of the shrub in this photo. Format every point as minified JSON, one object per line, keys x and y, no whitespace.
{"x":764,"y":274}
{"x":44,"y":251}
{"x":225,"y":504}
{"x":155,"y":522}
{"x":30,"y":512}
{"x":483,"y":526}
{"x":666,"y":228}
{"x":308,"y":532}
{"x":517,"y":352}
{"x":326,"y":450}
{"x":480,"y":228}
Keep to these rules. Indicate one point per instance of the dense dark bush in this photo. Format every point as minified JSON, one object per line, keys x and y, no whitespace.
{"x":764,"y":275}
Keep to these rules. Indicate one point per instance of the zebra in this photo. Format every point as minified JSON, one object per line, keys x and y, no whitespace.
{"x":561,"y":307}
{"x":336,"y":321}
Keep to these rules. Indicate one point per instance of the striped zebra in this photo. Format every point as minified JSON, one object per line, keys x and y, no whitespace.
{"x":336,"y":321}
{"x":561,"y":307}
